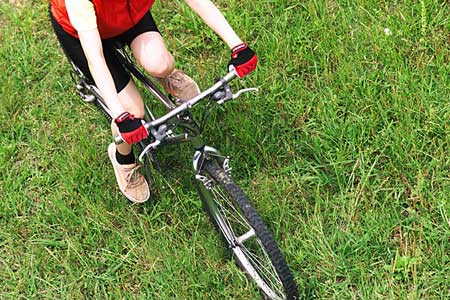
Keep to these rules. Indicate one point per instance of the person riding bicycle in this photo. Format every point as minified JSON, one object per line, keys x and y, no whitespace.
{"x":88,"y":30}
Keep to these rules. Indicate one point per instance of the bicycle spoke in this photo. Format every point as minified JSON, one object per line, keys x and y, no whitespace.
{"x":261,"y":271}
{"x":275,"y":282}
{"x":268,"y":259}
{"x":255,"y":260}
{"x":255,"y":274}
{"x":225,"y":199}
{"x":242,"y":220}
{"x":222,"y":211}
{"x":277,"y":288}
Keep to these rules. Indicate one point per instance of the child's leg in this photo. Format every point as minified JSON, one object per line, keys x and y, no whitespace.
{"x":132,"y":184}
{"x":132,"y":102}
{"x":151,"y":53}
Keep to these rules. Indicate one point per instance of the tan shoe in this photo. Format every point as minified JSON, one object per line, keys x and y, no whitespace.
{"x":180,"y":85}
{"x":132,"y":184}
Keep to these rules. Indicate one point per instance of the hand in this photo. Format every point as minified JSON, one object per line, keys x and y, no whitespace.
{"x":131,"y":129}
{"x":243,"y":59}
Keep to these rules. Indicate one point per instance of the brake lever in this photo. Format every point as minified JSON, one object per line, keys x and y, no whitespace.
{"x":159,"y":136}
{"x":245,"y":91}
{"x":234,"y":96}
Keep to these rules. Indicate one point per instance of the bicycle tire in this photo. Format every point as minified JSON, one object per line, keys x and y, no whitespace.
{"x":215,"y":187}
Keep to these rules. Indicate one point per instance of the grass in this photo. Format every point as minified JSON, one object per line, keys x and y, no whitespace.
{"x":345,"y":152}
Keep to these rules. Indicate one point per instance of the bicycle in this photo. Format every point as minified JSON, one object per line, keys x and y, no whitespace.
{"x":251,"y":243}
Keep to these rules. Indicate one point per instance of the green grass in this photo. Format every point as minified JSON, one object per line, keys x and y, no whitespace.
{"x":345,"y":152}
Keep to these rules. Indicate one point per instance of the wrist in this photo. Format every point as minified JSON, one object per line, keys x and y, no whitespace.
{"x":238,"y":48}
{"x":116,"y":112}
{"x":122,"y":117}
{"x":235,"y":43}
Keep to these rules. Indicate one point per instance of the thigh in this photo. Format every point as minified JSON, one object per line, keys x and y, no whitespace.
{"x":151,"y":52}
{"x":148,"y":47}
{"x":146,"y":24}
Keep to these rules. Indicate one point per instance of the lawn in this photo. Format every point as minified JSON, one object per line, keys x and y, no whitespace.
{"x":344,"y":151}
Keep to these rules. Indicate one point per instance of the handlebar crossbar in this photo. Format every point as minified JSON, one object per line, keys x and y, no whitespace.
{"x":186,"y":105}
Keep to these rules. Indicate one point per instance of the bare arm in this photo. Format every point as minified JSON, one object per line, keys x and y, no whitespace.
{"x":93,"y":50}
{"x":211,"y":15}
{"x":82,"y":16}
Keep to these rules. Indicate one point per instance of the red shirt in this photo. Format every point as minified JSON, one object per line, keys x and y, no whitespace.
{"x":114,"y":17}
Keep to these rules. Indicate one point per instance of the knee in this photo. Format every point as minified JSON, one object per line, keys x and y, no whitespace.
{"x":136,"y":108}
{"x":160,"y":65}
{"x":138,"y":112}
{"x":131,"y":100}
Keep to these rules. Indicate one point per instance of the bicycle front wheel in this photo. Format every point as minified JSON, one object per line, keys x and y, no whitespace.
{"x":247,"y":236}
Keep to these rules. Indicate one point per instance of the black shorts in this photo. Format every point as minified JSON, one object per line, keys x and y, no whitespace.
{"x":72,"y":48}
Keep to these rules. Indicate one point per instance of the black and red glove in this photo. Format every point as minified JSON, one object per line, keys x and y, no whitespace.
{"x":131,"y":129}
{"x":243,"y":59}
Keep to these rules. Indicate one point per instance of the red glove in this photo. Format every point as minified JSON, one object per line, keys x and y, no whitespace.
{"x":131,"y":129}
{"x":243,"y":59}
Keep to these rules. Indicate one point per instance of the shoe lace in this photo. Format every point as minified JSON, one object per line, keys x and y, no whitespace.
{"x":174,"y":81}
{"x":133,"y":177}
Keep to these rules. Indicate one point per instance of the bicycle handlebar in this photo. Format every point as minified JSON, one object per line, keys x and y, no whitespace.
{"x":186,"y":105}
